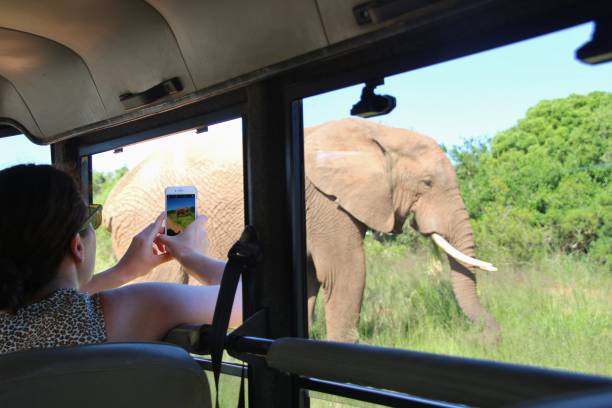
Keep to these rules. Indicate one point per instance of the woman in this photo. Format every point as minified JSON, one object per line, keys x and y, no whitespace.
{"x":49,"y":296}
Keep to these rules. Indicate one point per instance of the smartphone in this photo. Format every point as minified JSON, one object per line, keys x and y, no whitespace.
{"x":180,"y":208}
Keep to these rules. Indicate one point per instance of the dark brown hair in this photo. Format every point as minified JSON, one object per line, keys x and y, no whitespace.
{"x":41,"y":209}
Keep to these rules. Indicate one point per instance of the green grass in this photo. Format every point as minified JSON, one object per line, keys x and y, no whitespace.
{"x":229,"y":389}
{"x":183,"y":220}
{"x":554,"y":313}
{"x":104,"y":250}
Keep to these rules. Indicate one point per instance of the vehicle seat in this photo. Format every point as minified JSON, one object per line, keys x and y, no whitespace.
{"x":102,"y":376}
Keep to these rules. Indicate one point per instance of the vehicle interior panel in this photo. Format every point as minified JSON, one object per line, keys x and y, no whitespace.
{"x":13,"y":106}
{"x":115,"y":48}
{"x":277,"y":30}
{"x":126,"y":45}
{"x":53,"y":81}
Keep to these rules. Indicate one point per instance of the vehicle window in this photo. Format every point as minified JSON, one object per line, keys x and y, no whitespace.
{"x":503,"y":156}
{"x":130,"y":183}
{"x":19,"y":150}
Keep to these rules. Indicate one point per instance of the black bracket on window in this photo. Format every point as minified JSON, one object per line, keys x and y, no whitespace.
{"x":159,"y":91}
{"x":599,"y":49}
{"x":248,"y":342}
{"x":372,"y":104}
{"x":379,"y":11}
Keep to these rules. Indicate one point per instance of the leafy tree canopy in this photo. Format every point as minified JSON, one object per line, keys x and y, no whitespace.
{"x":545,"y":182}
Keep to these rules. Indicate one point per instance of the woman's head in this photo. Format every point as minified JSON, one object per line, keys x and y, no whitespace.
{"x":41,"y":212}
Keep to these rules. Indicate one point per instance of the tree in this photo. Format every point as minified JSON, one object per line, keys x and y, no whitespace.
{"x":545,"y":182}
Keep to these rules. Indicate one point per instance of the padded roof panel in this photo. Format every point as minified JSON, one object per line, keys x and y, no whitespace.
{"x":126,"y":44}
{"x":253,"y":35}
{"x":65,"y":63}
{"x":13,"y":107}
{"x":338,"y":19}
{"x":89,"y":52}
{"x":340,"y":23}
{"x":52,"y":80}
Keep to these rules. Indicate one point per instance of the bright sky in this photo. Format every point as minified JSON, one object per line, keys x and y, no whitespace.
{"x":133,"y":154}
{"x":475,"y":96}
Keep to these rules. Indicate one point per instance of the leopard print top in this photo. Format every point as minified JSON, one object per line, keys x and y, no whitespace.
{"x":65,"y":318}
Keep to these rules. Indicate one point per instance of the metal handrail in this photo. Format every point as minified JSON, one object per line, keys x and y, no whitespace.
{"x":433,"y":377}
{"x":372,"y":395}
{"x":231,"y":369}
{"x":438,"y":377}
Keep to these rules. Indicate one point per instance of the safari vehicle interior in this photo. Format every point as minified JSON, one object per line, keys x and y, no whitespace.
{"x":91,"y":76}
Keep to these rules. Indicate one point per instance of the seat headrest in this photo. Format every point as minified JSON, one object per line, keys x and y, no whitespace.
{"x":103,"y":375}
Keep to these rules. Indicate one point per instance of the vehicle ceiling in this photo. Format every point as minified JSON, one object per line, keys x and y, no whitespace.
{"x":64,"y":65}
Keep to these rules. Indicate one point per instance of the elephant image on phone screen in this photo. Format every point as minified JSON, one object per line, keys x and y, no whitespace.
{"x":359,"y":175}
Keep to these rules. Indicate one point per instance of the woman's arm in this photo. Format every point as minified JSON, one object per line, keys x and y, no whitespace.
{"x":140,"y":258}
{"x":188,"y":247}
{"x":110,"y":278}
{"x":207,"y":271}
{"x":147,"y":311}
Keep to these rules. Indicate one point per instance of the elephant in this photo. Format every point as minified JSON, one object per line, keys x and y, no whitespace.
{"x":359,"y":175}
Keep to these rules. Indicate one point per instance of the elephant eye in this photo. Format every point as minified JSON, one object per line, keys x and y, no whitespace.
{"x":427,"y":182}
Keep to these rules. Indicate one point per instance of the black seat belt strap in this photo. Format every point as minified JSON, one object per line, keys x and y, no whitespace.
{"x":242,"y":257}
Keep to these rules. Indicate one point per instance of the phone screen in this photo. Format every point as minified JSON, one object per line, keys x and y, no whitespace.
{"x":180,"y":210}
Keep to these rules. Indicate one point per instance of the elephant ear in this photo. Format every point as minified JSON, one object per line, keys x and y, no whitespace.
{"x":342,"y":159}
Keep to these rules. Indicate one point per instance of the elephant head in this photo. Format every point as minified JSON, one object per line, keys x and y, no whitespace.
{"x":381,"y":175}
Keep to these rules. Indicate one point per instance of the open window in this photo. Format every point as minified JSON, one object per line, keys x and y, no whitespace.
{"x":130,"y":181}
{"x":493,"y":157}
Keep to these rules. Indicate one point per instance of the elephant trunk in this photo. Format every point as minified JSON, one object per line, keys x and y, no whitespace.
{"x":464,"y":280}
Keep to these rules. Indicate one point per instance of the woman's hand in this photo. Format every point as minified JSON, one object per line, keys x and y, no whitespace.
{"x":144,"y":252}
{"x":189,"y":247}
{"x":192,"y":241}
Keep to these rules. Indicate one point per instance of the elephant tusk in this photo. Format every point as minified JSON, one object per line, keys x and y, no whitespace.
{"x":460,"y":256}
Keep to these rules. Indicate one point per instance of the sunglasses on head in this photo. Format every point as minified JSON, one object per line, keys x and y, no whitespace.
{"x":94,"y":217}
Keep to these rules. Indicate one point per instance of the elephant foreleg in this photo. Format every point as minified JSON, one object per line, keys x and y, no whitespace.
{"x":343,"y":292}
{"x":335,"y":244}
{"x":340,"y":266}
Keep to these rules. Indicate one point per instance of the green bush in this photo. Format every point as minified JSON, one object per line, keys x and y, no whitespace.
{"x":507,"y":235}
{"x":544,"y":183}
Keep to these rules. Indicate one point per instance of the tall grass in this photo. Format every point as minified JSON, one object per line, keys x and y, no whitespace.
{"x":105,"y":257}
{"x":556,"y":312}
